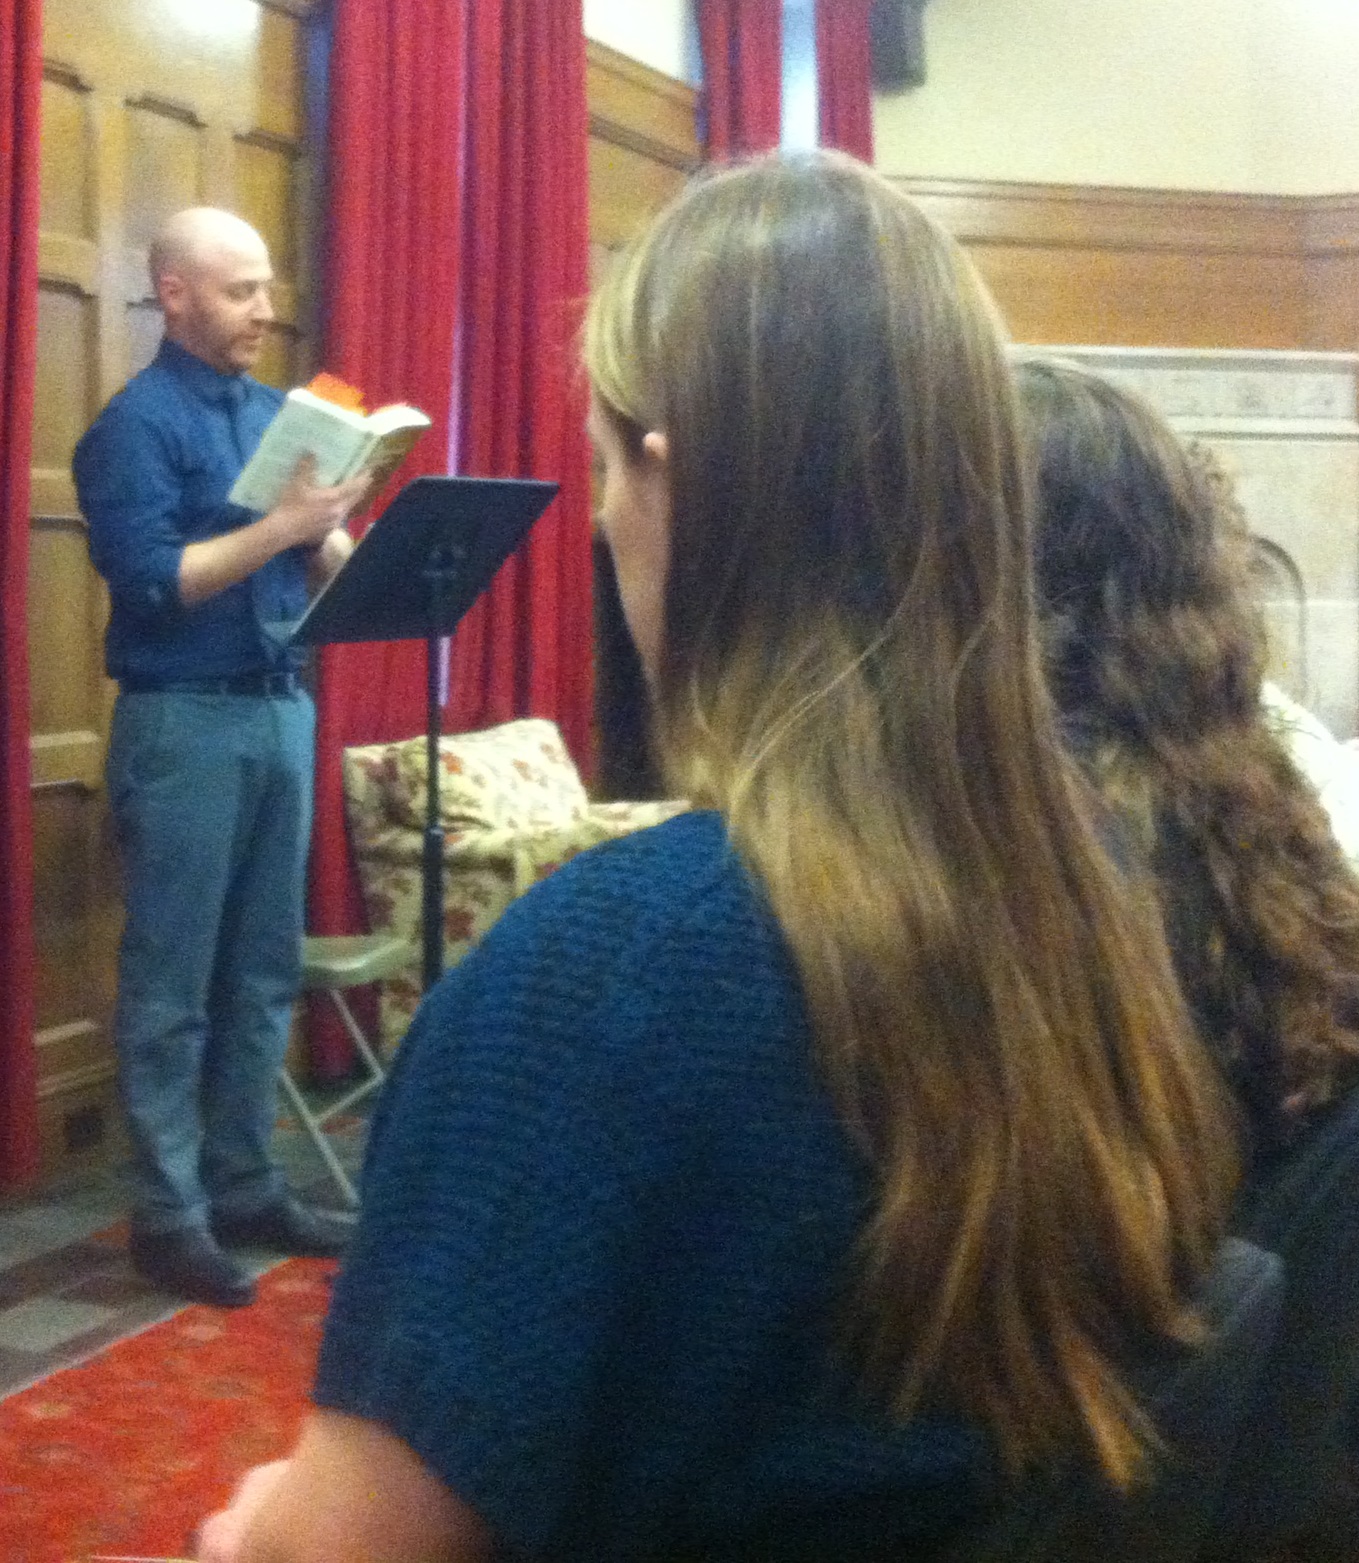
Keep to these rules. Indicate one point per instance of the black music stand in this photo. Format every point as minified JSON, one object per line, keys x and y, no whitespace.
{"x":414,"y":574}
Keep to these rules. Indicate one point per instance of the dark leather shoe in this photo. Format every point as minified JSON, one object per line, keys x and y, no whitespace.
{"x":189,"y":1264}
{"x":287,"y":1228}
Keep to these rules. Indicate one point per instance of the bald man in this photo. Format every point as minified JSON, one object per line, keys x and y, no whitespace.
{"x":209,"y":767}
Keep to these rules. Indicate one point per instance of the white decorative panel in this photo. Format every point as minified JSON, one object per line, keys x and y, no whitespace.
{"x":1286,"y":426}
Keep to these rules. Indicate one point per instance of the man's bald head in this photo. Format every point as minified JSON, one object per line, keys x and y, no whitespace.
{"x":211,"y":273}
{"x":198,"y":235}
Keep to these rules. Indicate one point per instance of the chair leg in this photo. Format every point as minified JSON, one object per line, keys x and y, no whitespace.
{"x":370,"y":1059}
{"x":324,"y":1148}
{"x":314,"y":1123}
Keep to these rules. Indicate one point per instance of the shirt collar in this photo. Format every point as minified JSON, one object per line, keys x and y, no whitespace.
{"x":207,"y":383}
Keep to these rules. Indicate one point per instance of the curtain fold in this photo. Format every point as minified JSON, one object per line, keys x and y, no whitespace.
{"x":844,"y":76}
{"x":393,"y":248}
{"x":742,"y":46}
{"x":527,"y":647}
{"x":457,"y":261}
{"x":20,"y":178}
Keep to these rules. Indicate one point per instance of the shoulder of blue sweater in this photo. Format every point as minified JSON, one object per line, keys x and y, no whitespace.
{"x":656,"y":867}
{"x":658,"y":930}
{"x":624,"y":900}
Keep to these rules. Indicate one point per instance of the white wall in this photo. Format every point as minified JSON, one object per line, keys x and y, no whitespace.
{"x":1308,"y":51}
{"x":1246,"y":95}
{"x":659,"y":33}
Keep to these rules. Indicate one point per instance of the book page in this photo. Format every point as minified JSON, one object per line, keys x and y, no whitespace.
{"x":387,"y":419}
{"x":391,"y":449}
{"x":305,"y":425}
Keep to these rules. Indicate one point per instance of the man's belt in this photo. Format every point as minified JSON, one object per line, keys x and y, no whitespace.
{"x":268,"y":685}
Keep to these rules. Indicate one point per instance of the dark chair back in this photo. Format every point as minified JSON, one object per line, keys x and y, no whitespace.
{"x":1288,"y":1470}
{"x":1197,"y":1401}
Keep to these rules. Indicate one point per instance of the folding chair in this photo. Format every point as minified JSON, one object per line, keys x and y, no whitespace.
{"x":1290,"y":1470}
{"x":1199,"y":1401}
{"x":332,"y":965}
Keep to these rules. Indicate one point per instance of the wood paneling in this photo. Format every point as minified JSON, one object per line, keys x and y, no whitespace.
{"x":1099,"y":218}
{"x":643,"y":146}
{"x":643,"y":142}
{"x":149,"y":105}
{"x":1333,"y":301}
{"x":1135,"y":267}
{"x":1331,"y":245}
{"x":1147,"y":299}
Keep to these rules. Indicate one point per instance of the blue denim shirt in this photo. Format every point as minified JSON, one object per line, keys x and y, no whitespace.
{"x":152,"y":473}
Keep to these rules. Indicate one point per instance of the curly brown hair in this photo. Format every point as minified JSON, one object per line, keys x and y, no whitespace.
{"x":1156,"y":653}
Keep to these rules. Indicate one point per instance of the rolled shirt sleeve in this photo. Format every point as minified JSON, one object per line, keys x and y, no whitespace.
{"x":131,"y":494}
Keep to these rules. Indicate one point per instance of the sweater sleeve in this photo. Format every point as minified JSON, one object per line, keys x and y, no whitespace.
{"x":508,"y":1174}
{"x":608,"y":1215}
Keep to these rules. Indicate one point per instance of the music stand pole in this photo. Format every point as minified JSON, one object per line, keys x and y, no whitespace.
{"x":440,"y":573}
{"x":412,"y":576}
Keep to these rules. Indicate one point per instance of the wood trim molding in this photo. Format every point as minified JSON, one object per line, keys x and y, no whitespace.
{"x":74,"y":759}
{"x":1331,"y":224}
{"x":65,"y":75}
{"x":71,"y":1080}
{"x":641,"y":109}
{"x":1112,"y":218}
{"x":303,"y":10}
{"x":170,"y":108}
{"x":979,"y":212}
{"x":67,"y":261}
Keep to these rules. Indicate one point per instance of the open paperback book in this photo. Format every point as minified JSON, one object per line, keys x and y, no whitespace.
{"x":338,"y":433}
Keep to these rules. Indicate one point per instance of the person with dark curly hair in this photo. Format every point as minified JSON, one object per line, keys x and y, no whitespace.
{"x":1156,"y":655}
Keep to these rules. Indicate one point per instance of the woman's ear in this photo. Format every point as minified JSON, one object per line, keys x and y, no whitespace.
{"x":656,"y":447}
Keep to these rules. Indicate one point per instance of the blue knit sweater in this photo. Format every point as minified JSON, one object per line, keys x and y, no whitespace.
{"x":609,"y":1216}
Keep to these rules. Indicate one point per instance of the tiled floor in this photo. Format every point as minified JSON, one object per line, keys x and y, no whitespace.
{"x":66,"y":1287}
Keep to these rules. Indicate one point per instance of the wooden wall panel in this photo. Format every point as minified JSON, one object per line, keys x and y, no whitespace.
{"x":67,"y":183}
{"x":1333,"y":301}
{"x":65,"y":374}
{"x":271,"y":193}
{"x":1331,"y":247}
{"x":65,"y":616}
{"x":165,"y":173}
{"x":1147,"y":298}
{"x":147,"y":108}
{"x":643,"y":142}
{"x":643,"y":146}
{"x":1138,"y":267}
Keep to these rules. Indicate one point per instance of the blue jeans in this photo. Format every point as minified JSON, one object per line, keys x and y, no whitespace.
{"x":211,"y":798}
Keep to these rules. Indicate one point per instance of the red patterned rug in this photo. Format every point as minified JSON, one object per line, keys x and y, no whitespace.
{"x":128,"y":1451}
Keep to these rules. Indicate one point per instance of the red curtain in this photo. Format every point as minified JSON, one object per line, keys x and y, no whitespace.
{"x":393,"y":245}
{"x":844,"y":76}
{"x":458,"y":258}
{"x":20,"y":109}
{"x":527,"y":648}
{"x":742,"y":47}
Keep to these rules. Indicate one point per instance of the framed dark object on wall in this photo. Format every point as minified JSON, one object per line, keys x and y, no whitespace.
{"x":897,"y":34}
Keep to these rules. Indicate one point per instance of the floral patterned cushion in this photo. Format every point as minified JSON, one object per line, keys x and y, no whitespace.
{"x":514,"y":809}
{"x":514,"y":777}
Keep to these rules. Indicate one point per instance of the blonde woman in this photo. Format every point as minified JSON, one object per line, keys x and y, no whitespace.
{"x":771,"y":1182}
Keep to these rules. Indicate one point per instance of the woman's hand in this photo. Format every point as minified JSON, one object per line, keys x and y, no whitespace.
{"x":220,"y":1535}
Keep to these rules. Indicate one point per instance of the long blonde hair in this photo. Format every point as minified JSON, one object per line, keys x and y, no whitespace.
{"x":850,"y":675}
